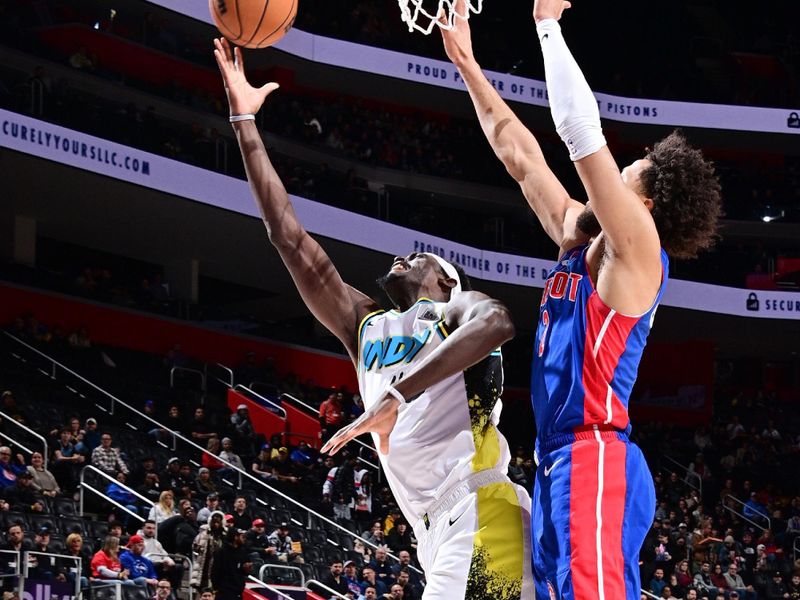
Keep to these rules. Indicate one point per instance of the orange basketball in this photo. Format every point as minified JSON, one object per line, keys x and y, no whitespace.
{"x":253,"y":23}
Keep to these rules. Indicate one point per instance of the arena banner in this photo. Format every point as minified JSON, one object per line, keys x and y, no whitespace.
{"x":89,"y":153}
{"x":430,"y":71}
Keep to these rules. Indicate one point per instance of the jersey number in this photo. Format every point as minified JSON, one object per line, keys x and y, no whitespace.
{"x":545,"y":327}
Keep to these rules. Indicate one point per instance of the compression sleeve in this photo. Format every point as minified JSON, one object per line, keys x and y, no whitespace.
{"x":572,"y":104}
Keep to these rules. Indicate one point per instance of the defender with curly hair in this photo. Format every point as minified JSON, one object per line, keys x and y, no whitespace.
{"x":593,"y":499}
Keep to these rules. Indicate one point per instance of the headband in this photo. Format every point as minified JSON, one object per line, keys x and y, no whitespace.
{"x":449,"y":270}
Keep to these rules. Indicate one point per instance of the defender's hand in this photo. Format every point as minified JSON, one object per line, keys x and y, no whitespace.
{"x":458,"y":40}
{"x":549,"y":9}
{"x":379,"y":419}
{"x":243,"y":98}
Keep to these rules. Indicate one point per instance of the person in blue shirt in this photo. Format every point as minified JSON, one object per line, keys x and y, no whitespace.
{"x":141,"y":569}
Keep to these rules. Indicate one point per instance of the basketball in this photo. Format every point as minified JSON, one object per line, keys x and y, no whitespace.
{"x":253,"y":23}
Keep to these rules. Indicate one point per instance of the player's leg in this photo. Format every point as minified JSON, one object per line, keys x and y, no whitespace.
{"x":482,"y":550}
{"x":640,"y":506}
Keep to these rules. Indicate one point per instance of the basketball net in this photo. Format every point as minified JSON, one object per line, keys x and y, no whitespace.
{"x":416,"y":17}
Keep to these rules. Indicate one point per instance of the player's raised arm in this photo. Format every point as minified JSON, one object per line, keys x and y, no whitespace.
{"x":337,"y":305}
{"x":623,"y":216}
{"x":514,"y":144}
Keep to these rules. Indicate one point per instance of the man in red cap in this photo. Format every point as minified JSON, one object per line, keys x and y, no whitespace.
{"x":141,"y":568}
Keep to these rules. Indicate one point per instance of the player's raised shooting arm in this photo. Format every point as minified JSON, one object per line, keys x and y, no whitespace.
{"x":338,"y":306}
{"x":515,"y":145}
{"x":478,"y":324}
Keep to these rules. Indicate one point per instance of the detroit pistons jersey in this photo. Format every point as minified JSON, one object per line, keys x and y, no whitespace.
{"x":447,"y":432}
{"x":585,"y":354}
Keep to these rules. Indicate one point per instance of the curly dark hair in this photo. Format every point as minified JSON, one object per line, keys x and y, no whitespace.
{"x":686,"y":195}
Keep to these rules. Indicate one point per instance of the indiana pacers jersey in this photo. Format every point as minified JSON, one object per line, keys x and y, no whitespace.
{"x":450,"y":430}
{"x":586,"y":355}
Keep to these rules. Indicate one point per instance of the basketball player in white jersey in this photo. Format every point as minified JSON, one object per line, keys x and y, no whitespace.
{"x":430,"y":373}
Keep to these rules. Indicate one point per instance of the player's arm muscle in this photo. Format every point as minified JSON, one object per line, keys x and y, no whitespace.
{"x":479,"y":325}
{"x":338,"y":306}
{"x":520,"y":153}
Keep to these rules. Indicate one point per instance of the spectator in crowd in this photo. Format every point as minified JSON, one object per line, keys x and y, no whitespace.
{"x":400,"y":537}
{"x":209,"y":460}
{"x":776,"y":588}
{"x":141,"y":569}
{"x":163,"y":590}
{"x":282,"y":541}
{"x":185,"y":530}
{"x":262,"y":464}
{"x":212,"y":504}
{"x":258,"y":542}
{"x":186,"y":481}
{"x":91,"y":436}
{"x":350,"y":575}
{"x":369,"y":579}
{"x":242,"y":519}
{"x":67,"y":569}
{"x":331,"y":415}
{"x":793,"y":589}
{"x":243,"y":430}
{"x":702,"y":580}
{"x":108,"y":459}
{"x":283,"y":469}
{"x":80,"y":339}
{"x":15,"y":539}
{"x":200,"y":430}
{"x":43,"y":480}
{"x":205,"y":546}
{"x":165,"y":507}
{"x":165,"y":566}
{"x":404,"y":581}
{"x":380,"y":564}
{"x":146,"y":466}
{"x":404,"y":563}
{"x":231,"y":566}
{"x":657,"y":583}
{"x":67,"y":462}
{"x":227,"y":454}
{"x":205,"y":485}
{"x":375,"y":534}
{"x":735,"y":582}
{"x":10,"y":406}
{"x":170,"y":477}
{"x":396,"y":592}
{"x":105,"y":563}
{"x":335,"y":580}
{"x":119,"y":493}
{"x":173,"y":423}
{"x":10,"y":468}
{"x":151,"y":488}
{"x":23,"y":497}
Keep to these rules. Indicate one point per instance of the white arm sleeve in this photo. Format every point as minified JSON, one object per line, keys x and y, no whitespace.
{"x":572,"y":103}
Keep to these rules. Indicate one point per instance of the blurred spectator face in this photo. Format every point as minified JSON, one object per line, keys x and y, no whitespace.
{"x":336,"y":568}
{"x":186,"y":470}
{"x":115,"y":530}
{"x":404,"y":556}
{"x":207,"y":595}
{"x":732,"y":568}
{"x":5,"y":454}
{"x":42,"y":539}
{"x":691,"y":595}
{"x":149,"y":530}
{"x":240,"y":504}
{"x":15,"y":534}
{"x":75,"y":425}
{"x":105,"y":440}
{"x":227,"y":445}
{"x":163,"y":589}
{"x":121,"y":477}
{"x":74,"y":543}
{"x":796,"y":580}
{"x":350,"y":571}
{"x":212,"y":502}
{"x":65,"y":435}
{"x":174,"y":412}
{"x":91,"y":425}
{"x":402,"y":578}
{"x":37,"y":460}
{"x":368,"y":574}
{"x":199,"y":414}
{"x":370,"y":593}
{"x":397,"y":592}
{"x":137,"y":548}
{"x":380,"y":554}
{"x":659,"y":574}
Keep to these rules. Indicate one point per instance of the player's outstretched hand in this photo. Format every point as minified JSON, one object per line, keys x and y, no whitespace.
{"x":243,"y":98}
{"x":457,"y":40}
{"x":380,"y":419}
{"x":549,"y":9}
